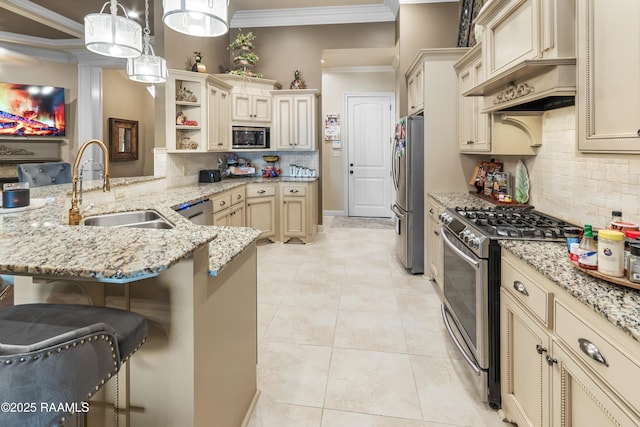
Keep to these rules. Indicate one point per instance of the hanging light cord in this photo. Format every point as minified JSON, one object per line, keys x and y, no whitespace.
{"x":147,"y":32}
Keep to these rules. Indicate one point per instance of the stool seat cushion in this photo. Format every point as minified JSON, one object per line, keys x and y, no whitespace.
{"x":41,"y":174}
{"x":55,"y":356}
{"x":32,"y":326}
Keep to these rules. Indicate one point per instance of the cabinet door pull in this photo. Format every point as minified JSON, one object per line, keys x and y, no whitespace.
{"x":262,"y":191}
{"x":592,"y":351}
{"x":431,"y":211}
{"x":436,"y":232}
{"x":293,"y":191}
{"x":519,"y":286}
{"x":239,"y":196}
{"x":540,"y":349}
{"x":551,"y":360}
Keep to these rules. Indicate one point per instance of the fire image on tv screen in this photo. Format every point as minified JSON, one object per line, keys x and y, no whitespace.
{"x":31,"y":110}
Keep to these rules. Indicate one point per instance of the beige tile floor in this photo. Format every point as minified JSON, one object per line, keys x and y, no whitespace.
{"x":348,"y":339}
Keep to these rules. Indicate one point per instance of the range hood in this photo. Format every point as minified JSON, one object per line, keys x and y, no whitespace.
{"x":531,"y":85}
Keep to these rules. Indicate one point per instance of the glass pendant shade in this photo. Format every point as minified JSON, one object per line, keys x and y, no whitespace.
{"x":112,"y":35}
{"x":201,"y":18}
{"x":147,"y":68}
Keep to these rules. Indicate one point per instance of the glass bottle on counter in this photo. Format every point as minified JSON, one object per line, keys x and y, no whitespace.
{"x":588,"y":250}
{"x":633,"y":269}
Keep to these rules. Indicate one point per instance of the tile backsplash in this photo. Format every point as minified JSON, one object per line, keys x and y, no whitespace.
{"x":581,"y":188}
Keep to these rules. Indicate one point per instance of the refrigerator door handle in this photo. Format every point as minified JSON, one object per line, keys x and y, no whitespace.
{"x":396,"y":210}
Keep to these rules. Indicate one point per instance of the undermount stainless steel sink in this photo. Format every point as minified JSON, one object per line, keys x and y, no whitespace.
{"x":134,"y":219}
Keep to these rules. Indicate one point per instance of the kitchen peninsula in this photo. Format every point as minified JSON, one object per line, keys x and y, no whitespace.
{"x":196,"y":285}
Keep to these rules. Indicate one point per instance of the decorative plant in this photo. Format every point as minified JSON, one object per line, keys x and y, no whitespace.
{"x":242,"y":40}
{"x":249,"y":57}
{"x":244,"y":58}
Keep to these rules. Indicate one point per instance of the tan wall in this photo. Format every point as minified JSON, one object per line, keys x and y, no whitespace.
{"x":125,"y":99}
{"x":336,"y":85}
{"x":282,"y":50}
{"x":423,"y":26}
{"x":42,"y":72}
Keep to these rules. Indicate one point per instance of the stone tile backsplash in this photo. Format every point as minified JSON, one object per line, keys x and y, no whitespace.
{"x":581,"y":188}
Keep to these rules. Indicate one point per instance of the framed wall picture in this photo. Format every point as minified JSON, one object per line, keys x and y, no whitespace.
{"x":123,"y":140}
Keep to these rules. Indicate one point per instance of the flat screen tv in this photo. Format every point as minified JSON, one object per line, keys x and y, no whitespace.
{"x":31,"y":110}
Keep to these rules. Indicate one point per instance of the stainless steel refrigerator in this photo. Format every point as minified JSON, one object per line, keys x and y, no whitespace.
{"x":407,"y":167}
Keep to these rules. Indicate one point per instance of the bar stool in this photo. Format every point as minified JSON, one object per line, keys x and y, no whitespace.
{"x":40,"y":174}
{"x":53,"y":357}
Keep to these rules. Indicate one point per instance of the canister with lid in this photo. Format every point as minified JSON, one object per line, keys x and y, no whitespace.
{"x":611,"y":253}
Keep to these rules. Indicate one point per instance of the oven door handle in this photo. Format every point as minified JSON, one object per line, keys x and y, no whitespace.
{"x":453,"y":247}
{"x":468,"y":358}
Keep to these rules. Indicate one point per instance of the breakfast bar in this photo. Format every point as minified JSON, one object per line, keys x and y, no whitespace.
{"x":195,"y":285}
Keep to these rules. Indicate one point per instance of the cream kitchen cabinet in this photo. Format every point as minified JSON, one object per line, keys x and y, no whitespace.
{"x":415,"y":89}
{"x":197,"y":113}
{"x":519,"y":30}
{"x":434,"y":253}
{"x":197,"y":118}
{"x":608,"y":108}
{"x":219,"y":110}
{"x":299,"y":217}
{"x":250,"y":99}
{"x":473,"y":126}
{"x":229,"y":208}
{"x":562,"y":364}
{"x":261,"y":209}
{"x":295,"y":121}
{"x":186,"y":112}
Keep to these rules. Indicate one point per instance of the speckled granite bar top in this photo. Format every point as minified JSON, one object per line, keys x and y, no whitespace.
{"x":38,"y":242}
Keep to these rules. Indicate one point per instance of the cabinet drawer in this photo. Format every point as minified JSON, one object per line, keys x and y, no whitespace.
{"x":221,"y":201}
{"x":237,"y":196}
{"x":294,"y":190}
{"x":616,"y":368}
{"x":261,"y":190}
{"x":434,"y":209}
{"x":535,"y":298}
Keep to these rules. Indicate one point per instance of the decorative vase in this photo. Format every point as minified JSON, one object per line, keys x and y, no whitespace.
{"x":199,"y":67}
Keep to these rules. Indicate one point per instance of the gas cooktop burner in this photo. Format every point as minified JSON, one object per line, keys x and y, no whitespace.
{"x":514,"y":223}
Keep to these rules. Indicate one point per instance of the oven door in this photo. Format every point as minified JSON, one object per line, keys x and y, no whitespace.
{"x":465,"y":310}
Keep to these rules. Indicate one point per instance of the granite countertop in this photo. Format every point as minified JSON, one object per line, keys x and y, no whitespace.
{"x":451,"y":200}
{"x":38,"y":241}
{"x":618,"y":304}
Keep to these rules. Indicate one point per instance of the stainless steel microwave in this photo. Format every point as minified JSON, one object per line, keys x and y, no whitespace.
{"x":248,"y":137}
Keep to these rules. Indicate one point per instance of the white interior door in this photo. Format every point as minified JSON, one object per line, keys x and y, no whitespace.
{"x":369,"y":120}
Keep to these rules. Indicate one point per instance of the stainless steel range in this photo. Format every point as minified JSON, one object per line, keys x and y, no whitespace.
{"x":471,"y":306}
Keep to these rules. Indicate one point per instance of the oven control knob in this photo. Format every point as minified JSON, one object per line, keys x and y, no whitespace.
{"x":476,"y":242}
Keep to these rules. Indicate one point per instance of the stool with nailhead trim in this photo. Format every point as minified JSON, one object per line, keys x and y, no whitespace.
{"x":54,"y":357}
{"x":40,"y":174}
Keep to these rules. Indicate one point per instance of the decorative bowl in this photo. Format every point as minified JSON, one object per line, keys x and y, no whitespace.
{"x":270,"y":159}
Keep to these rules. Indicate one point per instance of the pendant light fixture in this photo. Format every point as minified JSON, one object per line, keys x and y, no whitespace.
{"x":201,"y":18}
{"x":112,"y":35}
{"x":147,"y":68}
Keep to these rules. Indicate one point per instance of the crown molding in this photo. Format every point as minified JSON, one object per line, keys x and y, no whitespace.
{"x":46,"y":54}
{"x":40,"y":14}
{"x":361,"y":69}
{"x":355,"y":14}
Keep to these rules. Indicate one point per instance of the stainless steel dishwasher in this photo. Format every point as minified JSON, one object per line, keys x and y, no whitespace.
{"x":200,"y":212}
